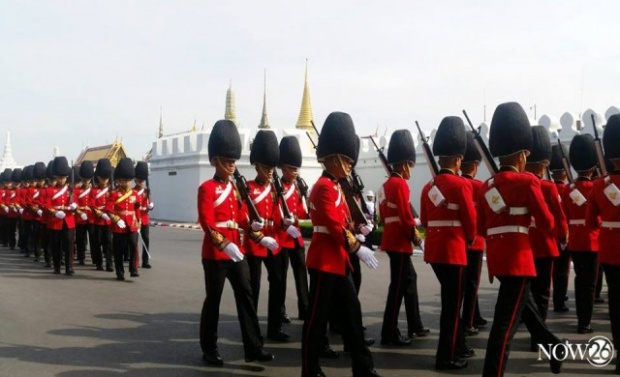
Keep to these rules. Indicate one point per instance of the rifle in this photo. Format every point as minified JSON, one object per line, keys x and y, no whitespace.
{"x":566,"y":164}
{"x":482,"y":148}
{"x":242,"y":188}
{"x":277,"y":183}
{"x":428,"y":152}
{"x":602,"y":167}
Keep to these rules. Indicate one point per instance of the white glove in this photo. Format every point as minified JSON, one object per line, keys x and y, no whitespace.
{"x":256,"y":226}
{"x":361,"y":238}
{"x":6,"y":209}
{"x":84,"y":216}
{"x":233,"y":252}
{"x":72,"y":206}
{"x":366,"y":229}
{"x":422,"y":246}
{"x":121,"y":224}
{"x":105,"y":217}
{"x":39,"y":212}
{"x":368,"y":257}
{"x":21,"y":210}
{"x":15,"y":210}
{"x":293,"y":231}
{"x":563,"y":246}
{"x":417,"y":221}
{"x":269,"y":243}
{"x":151,"y":205}
{"x":288,"y":221}
{"x":60,"y":215}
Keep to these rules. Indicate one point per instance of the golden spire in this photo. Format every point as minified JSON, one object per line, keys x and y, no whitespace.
{"x":264,"y":123}
{"x":160,"y":133}
{"x":230,"y":113}
{"x":193,"y":127}
{"x":305,"y":113}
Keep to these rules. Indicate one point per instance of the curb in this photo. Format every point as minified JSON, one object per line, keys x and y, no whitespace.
{"x":173,"y":225}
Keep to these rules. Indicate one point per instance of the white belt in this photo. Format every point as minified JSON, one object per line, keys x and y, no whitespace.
{"x":577,"y":222}
{"x":320,"y":229}
{"x":515,"y":211}
{"x":610,"y":224}
{"x":227,"y":224}
{"x":507,"y":229}
{"x":391,"y":219}
{"x":440,"y":223}
{"x":453,"y":206}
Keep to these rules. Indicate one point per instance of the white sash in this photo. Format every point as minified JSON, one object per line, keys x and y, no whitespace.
{"x":35,"y":195}
{"x":262,"y":195}
{"x":339,"y":199}
{"x":141,"y":192}
{"x":12,"y":194}
{"x":61,"y":192}
{"x":290,"y":192}
{"x":223,"y":195}
{"x":84,"y":193}
{"x":101,"y":193}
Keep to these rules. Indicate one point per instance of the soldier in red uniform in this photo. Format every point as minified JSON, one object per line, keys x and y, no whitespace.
{"x":102,"y":239}
{"x":544,"y":243}
{"x":471,"y":318}
{"x":561,"y":267}
{"x":583,"y":241}
{"x":603,"y":212}
{"x":293,"y":248}
{"x":123,"y":208}
{"x":506,"y":205}
{"x":61,"y":221}
{"x":3,"y":209}
{"x":448,"y":213}
{"x":10,"y":199}
{"x":26,"y":214}
{"x":46,"y":217}
{"x":333,"y":240}
{"x":34,"y":206}
{"x":221,"y":214}
{"x":146,"y":205}
{"x":24,"y":184}
{"x":399,"y":236}
{"x":84,"y":213}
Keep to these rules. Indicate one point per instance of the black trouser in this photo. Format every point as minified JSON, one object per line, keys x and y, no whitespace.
{"x":326,"y":291}
{"x":612,"y":275}
{"x":144,"y":233}
{"x":599,"y":282}
{"x":124,"y":243}
{"x":33,"y":239}
{"x":541,"y":284}
{"x":46,"y":244}
{"x":25,"y":235}
{"x":101,"y":246}
{"x":297,"y":257}
{"x":471,"y":308}
{"x":451,"y":336}
{"x":61,"y":245}
{"x":585,"y":264}
{"x":22,"y":236}
{"x":11,"y":224}
{"x":561,"y":272}
{"x":83,"y":233}
{"x":273,"y":263}
{"x":356,"y":274}
{"x":3,"y":238}
{"x":514,"y":301}
{"x":238,"y":274}
{"x":403,"y":285}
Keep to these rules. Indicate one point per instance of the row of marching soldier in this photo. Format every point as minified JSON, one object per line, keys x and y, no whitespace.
{"x":57,"y":210}
{"x":520,"y":219}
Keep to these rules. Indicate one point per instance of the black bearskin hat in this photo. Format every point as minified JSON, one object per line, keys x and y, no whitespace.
{"x":338,"y":137}
{"x":556,"y":157}
{"x":87,"y":170}
{"x":61,"y":167}
{"x":510,"y":130}
{"x":224,"y":141}
{"x":472,"y":154}
{"x":27,"y":173}
{"x":49,"y":171}
{"x":104,"y":168}
{"x":75,"y":172}
{"x":7,"y":175}
{"x":611,"y":137}
{"x":16,"y":177}
{"x":142,"y":170}
{"x":451,"y":138}
{"x":290,"y":152}
{"x":582,"y":153}
{"x":541,"y":145}
{"x":401,"y":147}
{"x":265,"y":149}
{"x":38,"y":172}
{"x":125,"y":169}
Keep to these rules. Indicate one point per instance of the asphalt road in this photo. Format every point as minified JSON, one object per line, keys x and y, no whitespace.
{"x":92,"y":325}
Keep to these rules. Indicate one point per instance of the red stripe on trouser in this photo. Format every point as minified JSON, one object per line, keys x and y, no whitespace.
{"x":509,"y":330}
{"x":397,"y":294}
{"x":475,"y":298}
{"x":310,"y":321}
{"x":457,"y":317}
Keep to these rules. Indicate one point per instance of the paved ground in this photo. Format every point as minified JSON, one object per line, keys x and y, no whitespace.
{"x":92,"y":325}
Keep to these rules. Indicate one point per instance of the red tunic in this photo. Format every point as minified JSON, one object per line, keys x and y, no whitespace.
{"x":395,"y":210}
{"x":83,"y":200}
{"x":544,"y":243}
{"x":296,"y":207}
{"x":450,"y":227}
{"x":600,"y":205}
{"x":510,"y":253}
{"x":581,"y":237}
{"x":11,"y":200}
{"x":269,"y":211}
{"x":476,"y":185}
{"x":57,"y":199}
{"x":98,"y":200}
{"x":221,"y":212}
{"x":124,"y":206}
{"x":144,"y":205}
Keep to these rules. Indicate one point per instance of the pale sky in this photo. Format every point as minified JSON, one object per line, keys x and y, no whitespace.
{"x":78,"y":72}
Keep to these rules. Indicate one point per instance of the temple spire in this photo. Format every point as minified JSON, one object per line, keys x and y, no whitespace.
{"x":264,"y":123}
{"x":230,"y":113}
{"x":160,"y":133}
{"x":305,"y":113}
{"x":7,"y":160}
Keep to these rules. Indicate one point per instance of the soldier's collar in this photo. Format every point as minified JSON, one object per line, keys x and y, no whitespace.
{"x":260,"y":183}
{"x":219,"y":179}
{"x":446,"y":171}
{"x":468,"y":176}
{"x":395,"y":174}
{"x":582,"y":178}
{"x":329,"y":175}
{"x":508,"y":168}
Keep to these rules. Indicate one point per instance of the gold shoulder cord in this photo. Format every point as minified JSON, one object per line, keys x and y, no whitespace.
{"x":218,"y":239}
{"x":351,"y":243}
